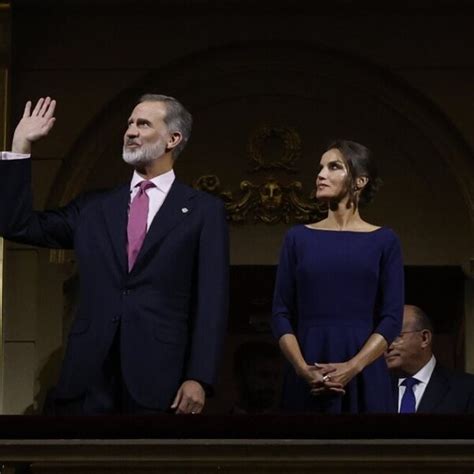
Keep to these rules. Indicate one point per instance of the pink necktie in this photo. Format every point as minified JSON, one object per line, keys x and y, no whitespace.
{"x":137,"y":220}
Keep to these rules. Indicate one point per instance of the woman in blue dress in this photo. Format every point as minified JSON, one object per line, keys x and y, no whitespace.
{"x":339,"y":298}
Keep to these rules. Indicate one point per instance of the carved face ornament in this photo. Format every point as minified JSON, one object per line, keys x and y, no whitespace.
{"x":271,"y":195}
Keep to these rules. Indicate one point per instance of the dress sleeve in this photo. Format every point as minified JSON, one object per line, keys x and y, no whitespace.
{"x":392,"y":295}
{"x":284,"y":298}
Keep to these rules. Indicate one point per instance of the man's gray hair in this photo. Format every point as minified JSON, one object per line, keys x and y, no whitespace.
{"x":177,"y":118}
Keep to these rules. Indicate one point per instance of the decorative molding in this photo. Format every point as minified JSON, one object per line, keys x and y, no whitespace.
{"x":57,"y":256}
{"x":291,"y":148}
{"x":333,"y":455}
{"x":269,"y":201}
{"x":269,"y":7}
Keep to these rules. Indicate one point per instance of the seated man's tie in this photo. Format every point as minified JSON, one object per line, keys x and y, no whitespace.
{"x":408,"y":404}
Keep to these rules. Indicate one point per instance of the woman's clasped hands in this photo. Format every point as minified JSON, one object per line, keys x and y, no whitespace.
{"x":320,"y":378}
{"x":338,"y":375}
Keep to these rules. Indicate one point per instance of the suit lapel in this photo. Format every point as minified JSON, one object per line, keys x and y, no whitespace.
{"x":176,"y":207}
{"x":115,"y":209}
{"x":435,"y":391}
{"x":394,"y":382}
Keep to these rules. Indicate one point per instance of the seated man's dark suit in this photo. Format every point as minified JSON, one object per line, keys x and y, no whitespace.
{"x":447,"y":391}
{"x":171,"y":308}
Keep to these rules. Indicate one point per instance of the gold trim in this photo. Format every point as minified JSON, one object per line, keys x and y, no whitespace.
{"x":2,"y":244}
{"x":5,"y":112}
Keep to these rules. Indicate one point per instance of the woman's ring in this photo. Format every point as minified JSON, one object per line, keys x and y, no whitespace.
{"x":326,"y":378}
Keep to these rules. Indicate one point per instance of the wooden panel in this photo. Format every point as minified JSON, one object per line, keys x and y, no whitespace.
{"x":21,"y":295}
{"x":20,"y":368}
{"x":241,"y":456}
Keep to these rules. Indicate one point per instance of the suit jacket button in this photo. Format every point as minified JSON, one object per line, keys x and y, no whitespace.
{"x":116,"y":319}
{"x":125,"y":292}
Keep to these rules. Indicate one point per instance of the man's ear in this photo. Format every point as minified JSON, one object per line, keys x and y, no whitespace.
{"x":174,"y":139}
{"x":426,"y":338}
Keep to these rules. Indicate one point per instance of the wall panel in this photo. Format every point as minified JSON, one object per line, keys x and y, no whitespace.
{"x":5,"y":47}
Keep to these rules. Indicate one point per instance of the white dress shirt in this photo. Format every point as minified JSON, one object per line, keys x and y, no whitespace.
{"x":424,"y":376}
{"x":156,"y":194}
{"x":9,"y":155}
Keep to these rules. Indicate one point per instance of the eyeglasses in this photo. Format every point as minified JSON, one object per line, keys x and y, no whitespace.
{"x":399,"y":338}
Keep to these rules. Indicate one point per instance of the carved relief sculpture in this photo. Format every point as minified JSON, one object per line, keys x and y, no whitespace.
{"x":270,"y":200}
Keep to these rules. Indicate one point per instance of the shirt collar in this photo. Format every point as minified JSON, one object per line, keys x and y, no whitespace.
{"x":424,"y":374}
{"x":163,"y":181}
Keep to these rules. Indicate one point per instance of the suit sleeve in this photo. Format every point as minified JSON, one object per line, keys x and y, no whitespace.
{"x":284,"y":298}
{"x":470,"y":405}
{"x":211,"y":297}
{"x":470,"y":397}
{"x":391,"y":291}
{"x":19,"y":222}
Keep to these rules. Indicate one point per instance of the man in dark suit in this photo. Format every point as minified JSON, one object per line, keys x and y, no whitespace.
{"x":421,"y":384}
{"x":153,"y":267}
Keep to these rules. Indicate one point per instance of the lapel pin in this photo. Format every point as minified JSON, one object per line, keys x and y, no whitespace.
{"x":184,"y":210}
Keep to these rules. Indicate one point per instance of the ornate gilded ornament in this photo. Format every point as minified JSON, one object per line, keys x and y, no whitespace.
{"x":269,"y":202}
{"x":291,"y":148}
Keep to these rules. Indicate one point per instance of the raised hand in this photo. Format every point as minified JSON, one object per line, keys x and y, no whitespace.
{"x":34,"y":125}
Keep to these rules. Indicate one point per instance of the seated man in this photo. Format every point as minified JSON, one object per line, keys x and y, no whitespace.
{"x":422,"y":384}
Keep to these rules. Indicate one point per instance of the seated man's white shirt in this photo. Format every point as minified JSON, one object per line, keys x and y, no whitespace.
{"x":424,"y":376}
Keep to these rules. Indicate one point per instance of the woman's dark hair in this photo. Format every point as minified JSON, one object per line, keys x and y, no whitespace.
{"x":359,"y":163}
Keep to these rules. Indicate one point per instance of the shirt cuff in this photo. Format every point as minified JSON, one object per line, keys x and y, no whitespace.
{"x":9,"y":155}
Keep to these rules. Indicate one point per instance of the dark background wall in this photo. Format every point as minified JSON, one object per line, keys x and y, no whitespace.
{"x":397,"y":78}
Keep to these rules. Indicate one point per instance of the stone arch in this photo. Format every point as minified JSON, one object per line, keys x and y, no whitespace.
{"x":331,"y":89}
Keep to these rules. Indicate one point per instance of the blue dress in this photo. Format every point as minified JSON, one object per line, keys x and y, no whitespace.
{"x":333,"y":290}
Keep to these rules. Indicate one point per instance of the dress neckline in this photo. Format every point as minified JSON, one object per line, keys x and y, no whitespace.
{"x":346,"y":231}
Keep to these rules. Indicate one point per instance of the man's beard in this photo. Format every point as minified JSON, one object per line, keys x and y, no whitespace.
{"x":144,"y":155}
